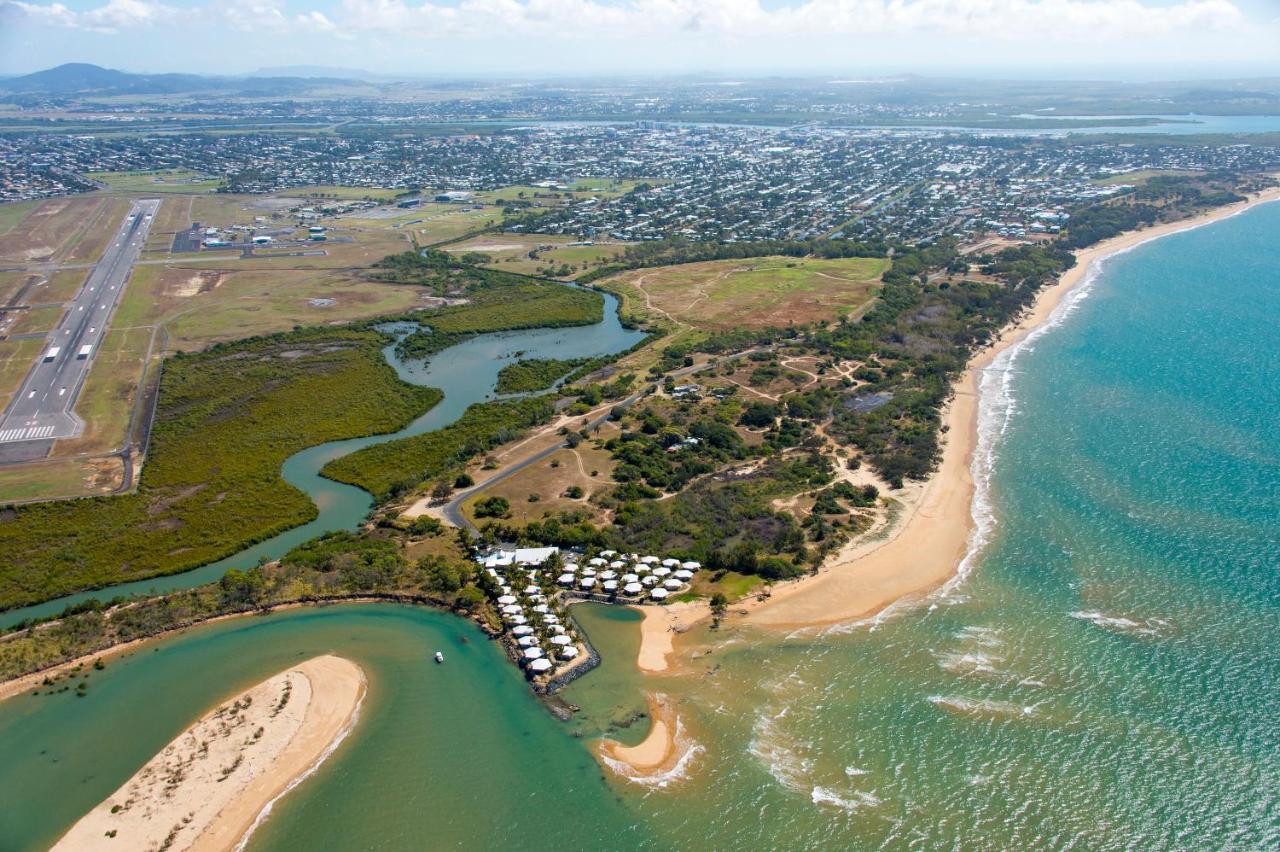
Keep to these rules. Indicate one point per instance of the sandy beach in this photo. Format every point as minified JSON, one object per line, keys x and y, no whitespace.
{"x":210,"y":786}
{"x":659,"y":629}
{"x":932,"y":535}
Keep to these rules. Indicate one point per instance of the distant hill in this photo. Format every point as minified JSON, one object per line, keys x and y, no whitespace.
{"x":76,"y":78}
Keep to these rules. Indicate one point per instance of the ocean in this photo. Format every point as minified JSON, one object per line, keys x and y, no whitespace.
{"x":1106,"y":675}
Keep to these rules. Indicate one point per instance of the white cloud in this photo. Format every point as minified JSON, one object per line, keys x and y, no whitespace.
{"x":660,"y":34}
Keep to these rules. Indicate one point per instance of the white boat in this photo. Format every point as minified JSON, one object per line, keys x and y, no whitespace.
{"x":439,"y":657}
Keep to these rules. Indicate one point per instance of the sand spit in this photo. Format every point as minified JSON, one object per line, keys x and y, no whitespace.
{"x":208,"y":788}
{"x":944,"y":528}
{"x":664,"y":755}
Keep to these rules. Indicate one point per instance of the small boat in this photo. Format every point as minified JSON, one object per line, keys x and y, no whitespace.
{"x":439,"y":657}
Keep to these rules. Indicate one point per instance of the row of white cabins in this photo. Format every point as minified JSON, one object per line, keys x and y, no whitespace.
{"x":528,"y":601}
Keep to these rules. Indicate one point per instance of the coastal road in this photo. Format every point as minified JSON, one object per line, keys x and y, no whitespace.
{"x":43,"y":408}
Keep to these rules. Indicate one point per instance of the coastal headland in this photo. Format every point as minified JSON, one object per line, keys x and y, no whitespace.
{"x":211,"y":786}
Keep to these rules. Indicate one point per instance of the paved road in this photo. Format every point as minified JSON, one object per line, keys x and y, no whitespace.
{"x":43,"y":407}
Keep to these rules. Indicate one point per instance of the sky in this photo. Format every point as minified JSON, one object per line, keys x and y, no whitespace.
{"x":1111,"y":39}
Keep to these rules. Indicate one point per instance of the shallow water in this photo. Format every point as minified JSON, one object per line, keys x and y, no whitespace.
{"x":1107,"y":676}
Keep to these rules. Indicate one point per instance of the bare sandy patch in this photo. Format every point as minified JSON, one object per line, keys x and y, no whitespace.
{"x":213,"y":784}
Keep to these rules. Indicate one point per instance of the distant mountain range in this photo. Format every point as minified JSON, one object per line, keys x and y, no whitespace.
{"x":76,"y":78}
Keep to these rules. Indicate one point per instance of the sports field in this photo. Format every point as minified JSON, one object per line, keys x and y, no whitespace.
{"x":753,"y":293}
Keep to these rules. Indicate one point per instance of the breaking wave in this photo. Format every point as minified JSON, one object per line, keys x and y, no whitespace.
{"x":1121,"y":624}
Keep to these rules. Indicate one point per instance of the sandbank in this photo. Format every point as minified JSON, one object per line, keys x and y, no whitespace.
{"x":211,"y":786}
{"x":658,"y":750}
{"x":932,"y":536}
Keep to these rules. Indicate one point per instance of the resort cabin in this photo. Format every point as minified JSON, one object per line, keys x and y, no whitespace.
{"x":527,"y":641}
{"x":568,"y":652}
{"x":672,"y":584}
{"x":566,"y":579}
{"x":633,"y":588}
{"x":539,"y":666}
{"x":533,"y":653}
{"x":659,"y":594}
{"x":560,"y":640}
{"x":587,"y":582}
{"x":522,"y":630}
{"x":610,"y":585}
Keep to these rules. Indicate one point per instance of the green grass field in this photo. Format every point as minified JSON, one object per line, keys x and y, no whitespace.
{"x":13,"y":213}
{"x":1138,"y":178}
{"x":751,"y":293}
{"x":171,"y":180}
{"x":36,"y":319}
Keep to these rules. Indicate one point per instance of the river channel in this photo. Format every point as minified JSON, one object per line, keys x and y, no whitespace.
{"x":466,"y":372}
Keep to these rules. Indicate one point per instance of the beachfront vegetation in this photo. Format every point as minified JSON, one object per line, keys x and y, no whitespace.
{"x":226,"y":420}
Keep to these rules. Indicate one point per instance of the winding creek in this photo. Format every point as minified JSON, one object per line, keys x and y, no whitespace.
{"x":467,"y":373}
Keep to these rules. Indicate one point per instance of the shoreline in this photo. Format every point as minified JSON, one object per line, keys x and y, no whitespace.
{"x":217,"y":781}
{"x":937,"y":539}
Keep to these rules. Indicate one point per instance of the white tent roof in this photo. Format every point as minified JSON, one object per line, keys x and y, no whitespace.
{"x":661,"y":572}
{"x":521,"y":630}
{"x":566,"y":579}
{"x":608,"y":553}
{"x":683,"y":574}
{"x":691,"y":566}
{"x":587,"y":582}
{"x":672,"y":584}
{"x":532,"y":653}
{"x":542,"y":608}
{"x":610,"y":585}
{"x":507,"y":599}
{"x":540,"y":665}
{"x":527,"y":641}
{"x":560,"y":640}
{"x":597,"y":561}
{"x":512,"y":609}
{"x":534,"y":555}
{"x":633,"y":588}
{"x":649,"y":560}
{"x":568,"y":652}
{"x":630,"y":578}
{"x":671,"y":563}
{"x":649,"y":581}
{"x":659,"y":594}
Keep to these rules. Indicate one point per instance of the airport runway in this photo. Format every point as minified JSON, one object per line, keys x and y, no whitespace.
{"x":42,"y":410}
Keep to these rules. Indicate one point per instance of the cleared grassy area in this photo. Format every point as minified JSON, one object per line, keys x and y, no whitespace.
{"x":13,"y":213}
{"x":98,"y":230}
{"x":549,"y":479}
{"x":226,"y":420}
{"x":199,"y":306}
{"x":60,"y":478}
{"x":106,"y":402}
{"x":1138,"y":178}
{"x":755,"y":293}
{"x":36,"y":319}
{"x":510,"y":252}
{"x":50,"y":230}
{"x":11,"y":283}
{"x":60,"y":287}
{"x":732,"y":585}
{"x":168,"y":180}
{"x":16,"y":358}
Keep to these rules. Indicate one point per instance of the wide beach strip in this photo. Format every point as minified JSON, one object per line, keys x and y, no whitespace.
{"x":208,"y":788}
{"x":935,"y":538}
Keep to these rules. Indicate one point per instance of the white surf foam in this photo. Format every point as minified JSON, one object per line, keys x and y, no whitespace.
{"x":1122,"y":624}
{"x":687,"y":748}
{"x":852,"y":802}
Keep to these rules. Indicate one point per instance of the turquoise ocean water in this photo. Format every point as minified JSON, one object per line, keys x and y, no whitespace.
{"x":1106,"y":676}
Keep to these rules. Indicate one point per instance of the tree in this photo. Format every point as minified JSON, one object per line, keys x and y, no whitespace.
{"x":464,"y":480}
{"x":442,"y":491}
